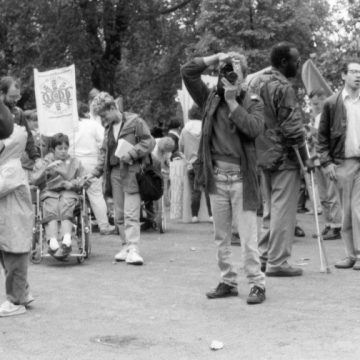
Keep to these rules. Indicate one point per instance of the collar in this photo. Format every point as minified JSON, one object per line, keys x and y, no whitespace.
{"x":345,"y":95}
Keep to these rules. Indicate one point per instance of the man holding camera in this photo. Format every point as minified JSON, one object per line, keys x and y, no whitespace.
{"x":232,"y":119}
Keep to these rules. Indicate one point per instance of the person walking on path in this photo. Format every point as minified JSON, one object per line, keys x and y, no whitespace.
{"x":120,"y":173}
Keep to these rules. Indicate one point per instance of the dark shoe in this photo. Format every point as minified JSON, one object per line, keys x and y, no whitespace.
{"x":148,"y":225}
{"x":62,"y":252}
{"x":263,"y":267}
{"x":221,"y":291}
{"x":299,"y":232}
{"x":333,"y":234}
{"x":235,"y":239}
{"x":346,"y":263}
{"x":256,"y":296}
{"x":303,"y":210}
{"x":357,"y":265}
{"x":285,"y":272}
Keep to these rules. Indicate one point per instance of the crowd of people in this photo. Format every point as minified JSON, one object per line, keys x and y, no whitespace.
{"x":243,"y":145}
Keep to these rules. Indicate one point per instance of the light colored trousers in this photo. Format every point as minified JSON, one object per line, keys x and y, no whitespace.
{"x":227,"y":204}
{"x":127,"y":210}
{"x":348,"y":183}
{"x":329,"y":199}
{"x":280,"y":190}
{"x":95,"y":193}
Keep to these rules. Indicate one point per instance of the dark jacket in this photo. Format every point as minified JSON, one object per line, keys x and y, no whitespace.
{"x":248,"y":121}
{"x":332,"y":130}
{"x":6,"y":122}
{"x":283,"y":118}
{"x":31,"y":149}
{"x":137,"y":133}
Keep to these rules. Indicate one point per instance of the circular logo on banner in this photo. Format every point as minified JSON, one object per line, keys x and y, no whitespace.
{"x":56,"y":95}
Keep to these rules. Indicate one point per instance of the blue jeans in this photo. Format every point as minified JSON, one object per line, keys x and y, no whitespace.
{"x":227,"y":204}
{"x":127,"y":210}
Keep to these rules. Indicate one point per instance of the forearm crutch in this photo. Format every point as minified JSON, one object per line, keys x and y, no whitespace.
{"x":324,"y":267}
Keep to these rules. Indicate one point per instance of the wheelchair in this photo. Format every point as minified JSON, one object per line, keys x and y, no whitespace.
{"x":81,"y":234}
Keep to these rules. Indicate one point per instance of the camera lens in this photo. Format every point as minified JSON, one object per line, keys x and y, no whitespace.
{"x":231,"y":77}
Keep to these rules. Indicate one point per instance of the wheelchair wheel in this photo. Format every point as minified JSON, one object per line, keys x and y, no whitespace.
{"x":87,"y":233}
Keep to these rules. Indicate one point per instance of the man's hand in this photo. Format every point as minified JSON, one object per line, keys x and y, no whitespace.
{"x":330,"y":172}
{"x":126,"y":158}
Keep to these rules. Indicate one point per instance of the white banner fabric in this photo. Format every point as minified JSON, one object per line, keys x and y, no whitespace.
{"x":55,"y":93}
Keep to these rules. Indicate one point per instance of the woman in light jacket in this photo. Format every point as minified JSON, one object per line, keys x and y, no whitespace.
{"x":16,"y":222}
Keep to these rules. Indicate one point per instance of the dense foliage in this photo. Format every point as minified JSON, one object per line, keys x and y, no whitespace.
{"x":135,"y":48}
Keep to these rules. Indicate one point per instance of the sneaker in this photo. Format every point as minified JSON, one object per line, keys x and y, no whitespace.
{"x":256,"y":296}
{"x":133,"y":258}
{"x":122,"y":254}
{"x":221,"y":291}
{"x":9,"y":309}
{"x":211,"y":219}
{"x":194,"y":219}
{"x":108,"y":230}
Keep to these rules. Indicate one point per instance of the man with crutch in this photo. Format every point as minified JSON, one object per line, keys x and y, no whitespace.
{"x":277,"y":159}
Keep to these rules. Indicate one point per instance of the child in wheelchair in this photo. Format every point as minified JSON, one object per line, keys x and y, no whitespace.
{"x":59,"y":180}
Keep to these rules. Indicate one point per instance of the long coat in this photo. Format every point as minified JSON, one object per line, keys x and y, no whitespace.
{"x":16,"y":212}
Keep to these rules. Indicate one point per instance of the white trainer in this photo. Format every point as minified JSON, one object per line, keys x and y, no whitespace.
{"x":134,"y":258}
{"x":9,"y":309}
{"x":122,"y":254}
{"x":194,"y":219}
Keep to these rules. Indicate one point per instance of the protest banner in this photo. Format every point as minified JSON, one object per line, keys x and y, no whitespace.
{"x":55,"y":93}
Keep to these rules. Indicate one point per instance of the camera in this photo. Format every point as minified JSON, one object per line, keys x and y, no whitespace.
{"x":227,"y":72}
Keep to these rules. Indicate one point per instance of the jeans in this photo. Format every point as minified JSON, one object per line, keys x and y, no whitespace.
{"x":227,"y":204}
{"x":127,"y":210}
{"x":196,"y":195}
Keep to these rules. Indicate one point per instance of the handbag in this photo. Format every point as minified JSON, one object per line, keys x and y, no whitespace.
{"x":150,"y":182}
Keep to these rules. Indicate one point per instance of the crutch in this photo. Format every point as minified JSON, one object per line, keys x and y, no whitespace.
{"x":324,"y":267}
